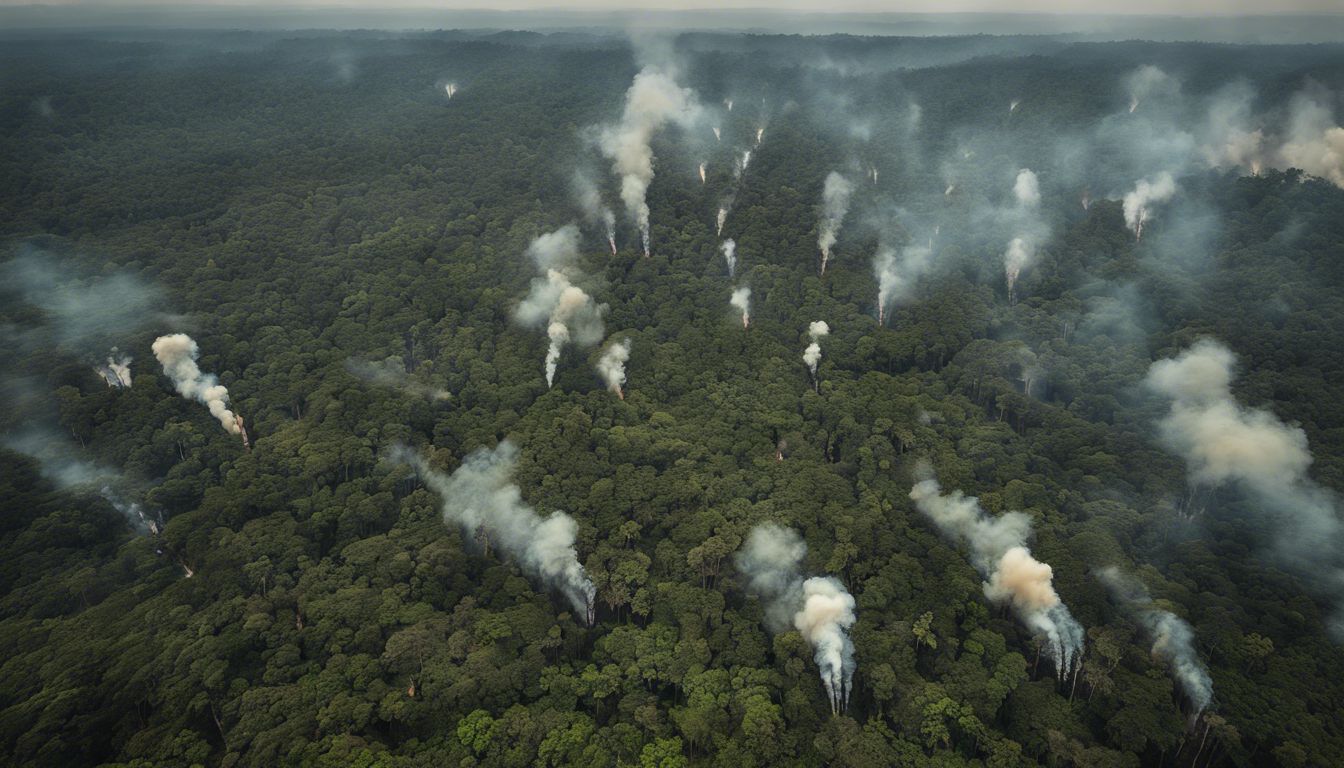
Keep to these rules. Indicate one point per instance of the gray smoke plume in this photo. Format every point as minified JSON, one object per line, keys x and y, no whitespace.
{"x":743,"y":161}
{"x":1315,"y":141}
{"x":1139,"y":202}
{"x":702,"y":173}
{"x":835,"y":196}
{"x":654,"y":99}
{"x":729,"y":249}
{"x":1223,"y":442}
{"x":1026,"y":220}
{"x":450,"y":89}
{"x":897,"y":274}
{"x":1173,"y":639}
{"x":480,"y":498}
{"x":177,"y":354}
{"x":595,"y":211}
{"x":57,"y":462}
{"x":741,"y":299}
{"x":1148,"y":80}
{"x":567,"y":312}
{"x":820,"y":608}
{"x":611,"y":366}
{"x":117,"y":370}
{"x":391,"y":373}
{"x":817,"y":331}
{"x":998,"y":550}
{"x":723,"y":215}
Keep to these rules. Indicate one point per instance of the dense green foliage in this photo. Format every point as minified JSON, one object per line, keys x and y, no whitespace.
{"x":307,"y":201}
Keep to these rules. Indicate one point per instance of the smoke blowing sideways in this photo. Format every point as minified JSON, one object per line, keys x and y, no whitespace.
{"x":177,"y":353}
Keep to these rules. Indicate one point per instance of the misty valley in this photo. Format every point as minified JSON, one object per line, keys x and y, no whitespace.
{"x":578,"y":398}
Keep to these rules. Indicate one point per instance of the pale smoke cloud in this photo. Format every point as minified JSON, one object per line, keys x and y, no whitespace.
{"x":729,"y":249}
{"x":1021,"y":252}
{"x":702,"y":173}
{"x":566,"y":311}
{"x":1019,"y":255}
{"x":812,"y":355}
{"x":653,"y":100}
{"x":834,"y":205}
{"x":450,"y":89}
{"x":897,"y":275}
{"x":742,"y":162}
{"x":595,"y":212}
{"x":480,"y":497}
{"x":1315,"y":143}
{"x":1013,"y":105}
{"x":117,"y":370}
{"x":718,"y":135}
{"x":1027,"y":189}
{"x":1138,"y":204}
{"x":741,"y":299}
{"x":722,"y":217}
{"x":177,"y":354}
{"x":392,"y":373}
{"x":1148,"y":80}
{"x":1173,"y":639}
{"x":760,"y":134}
{"x":820,"y":608}
{"x":611,"y":367}
{"x":998,"y":550}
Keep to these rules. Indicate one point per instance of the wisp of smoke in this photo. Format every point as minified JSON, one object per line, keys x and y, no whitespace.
{"x":1173,"y":639}
{"x":1148,"y":80}
{"x":1315,"y":142}
{"x":392,"y":373}
{"x":820,"y":608}
{"x":611,"y":367}
{"x":835,"y":196}
{"x":480,"y":497}
{"x":812,"y":355}
{"x":998,"y":550}
{"x":741,"y":299}
{"x":897,"y":274}
{"x":729,"y":249}
{"x":595,"y":212}
{"x":177,"y":353}
{"x":117,"y":370}
{"x":1139,"y":202}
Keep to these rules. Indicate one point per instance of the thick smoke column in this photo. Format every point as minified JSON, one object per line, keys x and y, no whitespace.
{"x":1138,"y":203}
{"x":812,"y":355}
{"x":820,"y":608}
{"x":567,"y":312}
{"x":896,"y":275}
{"x":594,"y":210}
{"x":611,"y":367}
{"x":117,"y":370}
{"x":481,"y":498}
{"x":653,"y":100}
{"x":729,"y":249}
{"x":835,"y":196}
{"x":999,"y":552}
{"x":1015,"y":259}
{"x":1173,"y":639}
{"x":177,"y":353}
{"x":1223,"y":442}
{"x":742,"y":300}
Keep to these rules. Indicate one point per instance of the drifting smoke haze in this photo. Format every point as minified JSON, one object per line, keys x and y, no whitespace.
{"x":1223,"y":442}
{"x":835,"y":196}
{"x":1147,"y":193}
{"x":741,"y":299}
{"x":595,"y":212}
{"x":480,"y":497}
{"x":729,"y":249}
{"x":1021,"y":252}
{"x":611,"y":366}
{"x":897,"y":274}
{"x":998,"y":551}
{"x":1149,"y":80}
{"x":817,"y":331}
{"x":653,"y":100}
{"x":177,"y":354}
{"x":1173,"y":641}
{"x":391,"y":373}
{"x":820,"y":608}
{"x":564,"y":309}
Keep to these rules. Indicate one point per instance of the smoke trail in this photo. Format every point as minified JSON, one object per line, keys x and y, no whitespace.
{"x":392,"y":373}
{"x":567,"y":312}
{"x":1147,"y":80}
{"x":56,"y":463}
{"x":1012,"y":105}
{"x":998,"y":550}
{"x":1223,"y":442}
{"x":1315,"y":143}
{"x":729,"y":104}
{"x":1021,"y":250}
{"x":595,"y":211}
{"x":1020,"y":253}
{"x":1027,"y":189}
{"x":481,"y":498}
{"x":1138,"y":203}
{"x":612,"y":366}
{"x":450,"y":89}
{"x":742,"y":162}
{"x":820,"y":608}
{"x":117,"y":370}
{"x":812,"y":355}
{"x":718,"y":136}
{"x":834,"y":205}
{"x":653,"y":100}
{"x":702,"y":173}
{"x":177,"y":354}
{"x":742,"y":300}
{"x":729,"y":249}
{"x":723,"y":216}
{"x":1173,"y":639}
{"x":760,"y":134}
{"x":896,"y":275}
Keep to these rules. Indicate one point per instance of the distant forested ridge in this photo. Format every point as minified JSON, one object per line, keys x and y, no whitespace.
{"x":1079,"y":362}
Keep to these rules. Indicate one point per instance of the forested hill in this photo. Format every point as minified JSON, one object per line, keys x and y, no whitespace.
{"x":351,"y":249}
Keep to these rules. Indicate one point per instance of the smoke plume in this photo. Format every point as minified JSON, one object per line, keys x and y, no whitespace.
{"x":729,"y":248}
{"x":177,"y":354}
{"x":998,"y":550}
{"x":1315,"y":142}
{"x":391,"y":372}
{"x":566,"y":311}
{"x":722,"y":217}
{"x":1173,"y":639}
{"x":834,"y":205}
{"x":1139,"y":202}
{"x":1145,"y":81}
{"x":611,"y":367}
{"x":480,"y":498}
{"x":741,"y":299}
{"x":820,"y":608}
{"x":117,"y":370}
{"x":812,"y":355}
{"x":1021,"y":250}
{"x":897,"y":274}
{"x":742,"y":162}
{"x":595,"y":212}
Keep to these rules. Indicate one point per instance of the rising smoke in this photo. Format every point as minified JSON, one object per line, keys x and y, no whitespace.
{"x":1013,"y":577}
{"x":595,"y":212}
{"x":611,"y":366}
{"x":1026,"y":221}
{"x":817,"y":331}
{"x":729,"y":249}
{"x":1138,"y":203}
{"x":897,"y":275}
{"x":116,"y":372}
{"x":391,"y":373}
{"x":177,"y":354}
{"x":820,"y":608}
{"x":566,"y":311}
{"x":480,"y":498}
{"x":834,"y":205}
{"x":741,"y":299}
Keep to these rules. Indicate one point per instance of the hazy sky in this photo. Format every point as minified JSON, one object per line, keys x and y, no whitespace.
{"x":1160,"y":7}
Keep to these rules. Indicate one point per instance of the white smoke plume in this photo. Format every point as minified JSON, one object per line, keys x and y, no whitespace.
{"x":1223,"y":442}
{"x":1173,"y":639}
{"x":702,"y":173}
{"x":718,"y":135}
{"x":835,"y":196}
{"x":728,"y":103}
{"x":1019,"y":255}
{"x":897,"y":275}
{"x":820,"y":608}
{"x":653,"y":100}
{"x":566,"y":311}
{"x":760,"y":134}
{"x":117,"y":370}
{"x":1027,"y":189}
{"x":1021,"y":251}
{"x":594,"y":210}
{"x":742,"y":162}
{"x":722,"y":217}
{"x":817,"y":331}
{"x":998,"y":550}
{"x":1315,"y":142}
{"x":177,"y":354}
{"x":1139,"y":202}
{"x":391,"y":372}
{"x":1013,"y":105}
{"x":742,"y":300}
{"x":450,"y":89}
{"x":729,"y":249}
{"x":1145,"y":81}
{"x":480,"y":498}
{"x":611,"y":367}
